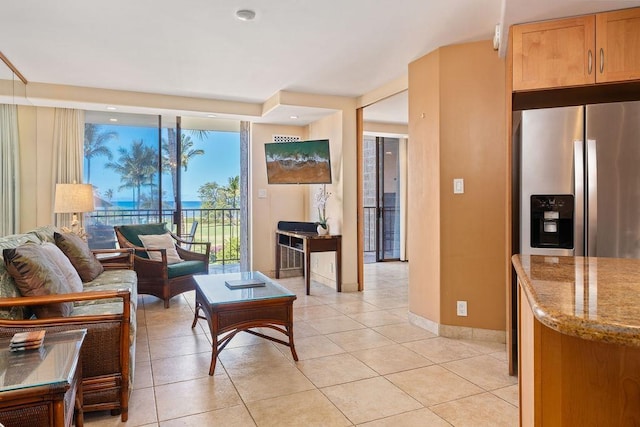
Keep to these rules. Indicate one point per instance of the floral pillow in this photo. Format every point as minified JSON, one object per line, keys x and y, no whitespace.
{"x":35,"y":274}
{"x":81,"y":257}
{"x":160,"y":241}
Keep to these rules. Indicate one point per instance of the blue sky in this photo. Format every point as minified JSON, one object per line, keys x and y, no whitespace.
{"x":221,"y":159}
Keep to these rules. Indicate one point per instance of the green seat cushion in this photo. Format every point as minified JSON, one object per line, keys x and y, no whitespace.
{"x":186,"y":267}
{"x":131,"y":232}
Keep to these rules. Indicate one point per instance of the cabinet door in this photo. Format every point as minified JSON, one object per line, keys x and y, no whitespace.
{"x":618,"y":45}
{"x":554,"y":53}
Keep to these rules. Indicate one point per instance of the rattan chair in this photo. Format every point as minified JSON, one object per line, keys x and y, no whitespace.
{"x":158,"y":278}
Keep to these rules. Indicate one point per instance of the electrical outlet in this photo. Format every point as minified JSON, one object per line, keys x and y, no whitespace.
{"x":461,"y":308}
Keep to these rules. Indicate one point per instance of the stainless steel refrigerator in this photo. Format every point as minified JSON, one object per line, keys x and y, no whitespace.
{"x":579,"y":180}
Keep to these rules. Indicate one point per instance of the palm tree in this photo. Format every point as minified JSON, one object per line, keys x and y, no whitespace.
{"x":136,"y":168}
{"x":232,"y":191}
{"x":94,"y":144}
{"x":187,"y":152}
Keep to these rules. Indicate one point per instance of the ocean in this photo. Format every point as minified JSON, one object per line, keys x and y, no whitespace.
{"x":129,"y":205}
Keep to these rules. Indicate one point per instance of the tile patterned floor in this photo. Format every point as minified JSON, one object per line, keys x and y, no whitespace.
{"x":361,"y":363}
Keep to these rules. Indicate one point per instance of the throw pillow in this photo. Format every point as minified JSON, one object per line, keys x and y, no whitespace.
{"x":72,"y":280}
{"x":81,"y":257}
{"x":36,"y":275}
{"x":160,"y":241}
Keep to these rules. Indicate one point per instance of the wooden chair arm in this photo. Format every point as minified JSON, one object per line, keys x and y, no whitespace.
{"x":195,"y":256}
{"x":115,"y":259}
{"x":146,"y":267}
{"x":70,"y":297}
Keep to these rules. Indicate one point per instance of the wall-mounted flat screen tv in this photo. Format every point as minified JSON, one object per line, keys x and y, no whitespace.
{"x":303,"y":162}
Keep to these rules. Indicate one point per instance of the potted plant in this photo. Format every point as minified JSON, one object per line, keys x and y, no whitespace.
{"x":321,"y":198}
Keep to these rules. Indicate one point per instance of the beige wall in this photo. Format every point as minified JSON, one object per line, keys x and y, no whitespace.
{"x":283,"y":202}
{"x":295,"y":202}
{"x":342,"y":208}
{"x":461,"y":238}
{"x":328,"y":128}
{"x":424,"y":187}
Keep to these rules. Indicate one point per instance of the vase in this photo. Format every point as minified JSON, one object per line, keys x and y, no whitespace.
{"x":322,"y":231}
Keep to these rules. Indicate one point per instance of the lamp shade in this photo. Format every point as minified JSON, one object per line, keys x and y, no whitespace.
{"x":73,"y":198}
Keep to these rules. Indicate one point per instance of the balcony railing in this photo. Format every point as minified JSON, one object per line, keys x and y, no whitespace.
{"x":391,"y":239}
{"x":221,"y":227}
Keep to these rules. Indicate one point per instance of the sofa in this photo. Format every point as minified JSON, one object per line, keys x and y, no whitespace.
{"x":105,"y":307}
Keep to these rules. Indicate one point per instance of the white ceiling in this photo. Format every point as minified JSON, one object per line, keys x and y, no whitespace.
{"x":197,"y":48}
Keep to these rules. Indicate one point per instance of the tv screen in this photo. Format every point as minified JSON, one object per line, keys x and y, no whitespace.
{"x":303,"y":162}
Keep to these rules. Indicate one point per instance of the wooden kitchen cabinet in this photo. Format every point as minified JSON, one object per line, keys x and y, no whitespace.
{"x":577,"y":51}
{"x":554,"y":53}
{"x":618,"y":45}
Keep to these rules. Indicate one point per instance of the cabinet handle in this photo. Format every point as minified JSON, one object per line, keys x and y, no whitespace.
{"x":590,"y":56}
{"x":601,"y":60}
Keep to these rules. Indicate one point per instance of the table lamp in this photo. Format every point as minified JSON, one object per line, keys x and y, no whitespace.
{"x":74,"y":199}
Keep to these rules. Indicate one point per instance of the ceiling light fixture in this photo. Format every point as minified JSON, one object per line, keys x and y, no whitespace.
{"x":293,"y":117}
{"x":111,"y":108}
{"x":245,"y":15}
{"x":211,"y":116}
{"x":113,"y":120}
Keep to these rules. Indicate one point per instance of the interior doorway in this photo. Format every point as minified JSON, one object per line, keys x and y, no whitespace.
{"x":382,"y":181}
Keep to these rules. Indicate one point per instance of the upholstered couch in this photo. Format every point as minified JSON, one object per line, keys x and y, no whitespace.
{"x":106,"y":308}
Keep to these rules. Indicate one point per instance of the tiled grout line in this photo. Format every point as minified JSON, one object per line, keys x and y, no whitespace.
{"x":330,"y":302}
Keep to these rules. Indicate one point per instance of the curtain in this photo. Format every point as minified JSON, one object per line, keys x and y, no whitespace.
{"x":9,"y":171}
{"x":403,"y":199}
{"x":68,"y":153}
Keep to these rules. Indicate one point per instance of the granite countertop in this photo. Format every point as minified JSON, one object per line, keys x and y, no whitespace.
{"x":592,"y":298}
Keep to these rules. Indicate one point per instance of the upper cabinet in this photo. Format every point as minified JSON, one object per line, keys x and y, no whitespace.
{"x":577,"y":51}
{"x":618,"y":45}
{"x":554,"y":53}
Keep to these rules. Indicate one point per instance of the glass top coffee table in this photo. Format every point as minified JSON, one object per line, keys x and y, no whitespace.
{"x":237,"y":302}
{"x":42,"y":386}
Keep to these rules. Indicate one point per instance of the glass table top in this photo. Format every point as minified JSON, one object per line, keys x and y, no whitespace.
{"x":53,"y":363}
{"x":216,"y":291}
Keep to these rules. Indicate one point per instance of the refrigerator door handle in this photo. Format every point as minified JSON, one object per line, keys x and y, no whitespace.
{"x":578,"y":215}
{"x":592,"y":198}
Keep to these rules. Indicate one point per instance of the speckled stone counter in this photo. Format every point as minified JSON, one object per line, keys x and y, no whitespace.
{"x":578,"y":341}
{"x":591,"y":298}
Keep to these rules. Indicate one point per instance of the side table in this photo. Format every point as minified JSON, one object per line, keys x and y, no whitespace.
{"x":42,"y":387}
{"x":308,"y":243}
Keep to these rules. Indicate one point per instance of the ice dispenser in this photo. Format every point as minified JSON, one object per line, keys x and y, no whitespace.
{"x":552,"y":221}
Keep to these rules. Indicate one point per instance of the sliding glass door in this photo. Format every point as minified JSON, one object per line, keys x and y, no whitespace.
{"x":381,"y":198}
{"x":180,"y":171}
{"x":209,"y":192}
{"x":388,"y":199}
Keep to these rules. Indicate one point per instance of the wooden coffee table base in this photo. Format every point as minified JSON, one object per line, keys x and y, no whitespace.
{"x":231,"y":318}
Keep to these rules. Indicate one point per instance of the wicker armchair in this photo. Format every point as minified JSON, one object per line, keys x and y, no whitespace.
{"x":158,"y":278}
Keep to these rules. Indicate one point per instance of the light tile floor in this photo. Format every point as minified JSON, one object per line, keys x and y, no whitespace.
{"x":361,"y":363}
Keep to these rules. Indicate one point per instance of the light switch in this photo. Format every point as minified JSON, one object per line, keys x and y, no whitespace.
{"x":458,"y":186}
{"x":262,"y":193}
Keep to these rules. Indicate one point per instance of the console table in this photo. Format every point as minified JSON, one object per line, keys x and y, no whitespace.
{"x":308,"y":242}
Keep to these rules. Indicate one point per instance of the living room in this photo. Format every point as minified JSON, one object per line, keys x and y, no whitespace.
{"x":458,"y":109}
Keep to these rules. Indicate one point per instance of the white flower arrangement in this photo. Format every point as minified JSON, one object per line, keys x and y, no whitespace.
{"x":320,"y":203}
